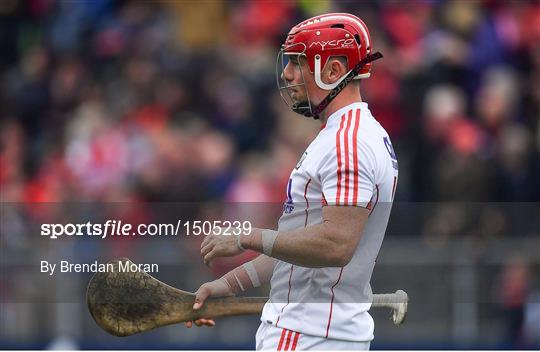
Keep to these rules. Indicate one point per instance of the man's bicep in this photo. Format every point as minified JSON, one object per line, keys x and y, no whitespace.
{"x":348,"y":221}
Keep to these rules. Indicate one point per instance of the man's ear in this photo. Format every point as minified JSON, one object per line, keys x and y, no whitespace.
{"x":335,"y":69}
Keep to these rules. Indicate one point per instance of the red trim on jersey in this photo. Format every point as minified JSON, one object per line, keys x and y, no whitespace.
{"x":288,"y":295}
{"x":307,"y":201}
{"x":355,"y":156}
{"x":338,"y":152}
{"x":295,"y":341}
{"x":324,"y":201}
{"x":332,"y":302}
{"x":376,"y":200}
{"x":347,"y":170}
{"x":280,"y":344}
{"x":288,"y":342}
{"x":394,"y":187}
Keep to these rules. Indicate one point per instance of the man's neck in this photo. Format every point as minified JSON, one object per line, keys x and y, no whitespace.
{"x":344,"y":98}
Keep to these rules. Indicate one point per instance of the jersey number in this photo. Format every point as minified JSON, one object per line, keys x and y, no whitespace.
{"x":391,"y":151}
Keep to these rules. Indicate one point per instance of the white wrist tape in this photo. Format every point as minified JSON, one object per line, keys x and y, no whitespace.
{"x":239,"y":244}
{"x":226,"y":282}
{"x":252,"y":273}
{"x":268,"y":239}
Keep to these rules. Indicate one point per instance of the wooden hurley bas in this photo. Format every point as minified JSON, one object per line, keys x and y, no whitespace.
{"x":126,"y":303}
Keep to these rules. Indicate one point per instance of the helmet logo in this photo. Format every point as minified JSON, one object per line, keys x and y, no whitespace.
{"x":332,"y":44}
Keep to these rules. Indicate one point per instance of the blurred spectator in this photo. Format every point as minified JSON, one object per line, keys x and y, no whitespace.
{"x":513,"y":288}
{"x":532,"y":320}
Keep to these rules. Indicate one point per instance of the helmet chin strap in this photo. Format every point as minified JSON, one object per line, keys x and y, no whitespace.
{"x":303,"y":108}
{"x":336,"y":88}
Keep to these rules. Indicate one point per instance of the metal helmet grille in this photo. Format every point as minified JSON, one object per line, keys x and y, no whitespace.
{"x":286,"y":88}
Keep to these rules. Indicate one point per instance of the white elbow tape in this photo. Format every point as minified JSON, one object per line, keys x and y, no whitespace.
{"x":268,"y":239}
{"x":252,"y":273}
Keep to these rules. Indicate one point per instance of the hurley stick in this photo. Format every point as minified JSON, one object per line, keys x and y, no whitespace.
{"x":126,"y":303}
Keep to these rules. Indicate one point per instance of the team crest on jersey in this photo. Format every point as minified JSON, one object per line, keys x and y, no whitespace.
{"x":288,"y":207}
{"x":301,"y":161}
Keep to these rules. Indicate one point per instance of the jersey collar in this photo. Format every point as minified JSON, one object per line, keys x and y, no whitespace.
{"x":335,"y":118}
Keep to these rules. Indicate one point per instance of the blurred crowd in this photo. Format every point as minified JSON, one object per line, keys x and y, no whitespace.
{"x":176,"y":100}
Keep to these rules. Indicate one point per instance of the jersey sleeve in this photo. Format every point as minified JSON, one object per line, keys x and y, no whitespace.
{"x":347,"y":174}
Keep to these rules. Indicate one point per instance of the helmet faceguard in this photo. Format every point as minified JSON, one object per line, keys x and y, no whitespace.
{"x":317,"y":40}
{"x":285,"y":88}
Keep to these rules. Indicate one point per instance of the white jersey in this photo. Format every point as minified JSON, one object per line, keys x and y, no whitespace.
{"x":350,"y":162}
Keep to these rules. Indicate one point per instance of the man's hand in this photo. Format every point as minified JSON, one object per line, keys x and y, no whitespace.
{"x":219,"y":245}
{"x":216,"y":288}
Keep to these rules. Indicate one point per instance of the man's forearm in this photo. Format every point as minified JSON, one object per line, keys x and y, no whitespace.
{"x":312,"y":246}
{"x":251,"y":274}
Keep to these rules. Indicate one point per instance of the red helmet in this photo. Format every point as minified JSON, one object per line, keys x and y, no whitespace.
{"x":322,"y":37}
{"x":334,"y":34}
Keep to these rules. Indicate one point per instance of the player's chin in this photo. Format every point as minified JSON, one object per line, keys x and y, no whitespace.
{"x":302,"y":102}
{"x":297,"y":98}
